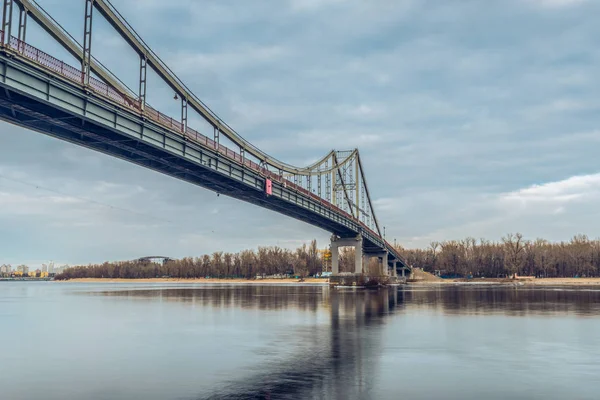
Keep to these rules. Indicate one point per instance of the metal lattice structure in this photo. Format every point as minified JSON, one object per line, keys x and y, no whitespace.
{"x":92,"y":107}
{"x":339,"y":178}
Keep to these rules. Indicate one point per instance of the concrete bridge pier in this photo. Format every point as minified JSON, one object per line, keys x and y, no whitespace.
{"x":336,"y":243}
{"x":383,"y":260}
{"x":395,"y":269}
{"x":382,"y":269}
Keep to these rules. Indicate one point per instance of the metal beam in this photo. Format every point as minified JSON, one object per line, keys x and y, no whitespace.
{"x":45,"y":21}
{"x":22,"y":23}
{"x":7,"y":12}
{"x":87,"y":41}
{"x":143,"y":80}
{"x":184,"y":114}
{"x":362,"y":173}
{"x":357,"y":172}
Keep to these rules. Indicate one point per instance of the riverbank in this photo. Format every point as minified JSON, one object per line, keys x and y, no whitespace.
{"x":201,"y":280}
{"x":526,"y":282}
{"x":438,"y":281}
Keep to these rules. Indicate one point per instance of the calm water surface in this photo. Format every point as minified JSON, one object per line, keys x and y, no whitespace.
{"x":142,"y":341}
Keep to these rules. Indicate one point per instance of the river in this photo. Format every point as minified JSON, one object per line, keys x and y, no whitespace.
{"x":173,"y":341}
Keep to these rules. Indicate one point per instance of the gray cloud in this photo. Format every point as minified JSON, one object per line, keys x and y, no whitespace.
{"x":458,"y":109}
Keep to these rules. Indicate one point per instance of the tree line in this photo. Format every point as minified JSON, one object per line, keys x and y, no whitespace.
{"x":513,"y":254}
{"x":454,"y":258}
{"x":304,"y":261}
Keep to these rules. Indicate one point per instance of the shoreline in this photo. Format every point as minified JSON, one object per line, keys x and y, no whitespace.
{"x":322,"y":281}
{"x":311,"y":281}
{"x":523,"y":282}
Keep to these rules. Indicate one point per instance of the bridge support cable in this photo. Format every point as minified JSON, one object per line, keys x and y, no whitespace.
{"x":328,"y":183}
{"x":319,"y":185}
{"x":370,"y":203}
{"x":362,"y":194}
{"x":184,"y":114}
{"x":7,"y":15}
{"x":23,"y":13}
{"x":143,"y":81}
{"x":356,"y":180}
{"x":87,"y":41}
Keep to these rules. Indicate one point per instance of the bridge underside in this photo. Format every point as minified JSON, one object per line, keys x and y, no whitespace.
{"x":31,"y":114}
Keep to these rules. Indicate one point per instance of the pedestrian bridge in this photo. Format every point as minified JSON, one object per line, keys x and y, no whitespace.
{"x":89,"y":106}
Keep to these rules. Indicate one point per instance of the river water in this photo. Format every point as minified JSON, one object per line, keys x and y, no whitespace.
{"x":157,"y":341}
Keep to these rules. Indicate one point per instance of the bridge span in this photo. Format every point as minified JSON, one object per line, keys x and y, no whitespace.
{"x":90,"y":107}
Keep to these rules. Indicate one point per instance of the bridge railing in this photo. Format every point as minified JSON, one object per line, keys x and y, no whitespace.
{"x":102,"y":89}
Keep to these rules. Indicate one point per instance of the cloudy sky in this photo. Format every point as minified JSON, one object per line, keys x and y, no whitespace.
{"x":473,"y":118}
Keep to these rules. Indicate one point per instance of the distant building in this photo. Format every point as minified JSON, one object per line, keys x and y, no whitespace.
{"x":5,"y":269}
{"x":44,"y":268}
{"x":23,"y":269}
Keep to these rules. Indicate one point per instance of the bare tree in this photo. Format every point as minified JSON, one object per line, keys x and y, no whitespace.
{"x":514,"y":248}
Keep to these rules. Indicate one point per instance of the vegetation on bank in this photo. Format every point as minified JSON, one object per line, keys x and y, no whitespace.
{"x":304,"y":261}
{"x":468,"y":257}
{"x":513,"y":254}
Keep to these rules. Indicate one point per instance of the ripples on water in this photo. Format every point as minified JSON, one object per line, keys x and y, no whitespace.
{"x":155,"y":341}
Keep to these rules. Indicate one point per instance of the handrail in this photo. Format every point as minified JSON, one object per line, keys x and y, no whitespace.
{"x":54,"y":29}
{"x":102,"y":89}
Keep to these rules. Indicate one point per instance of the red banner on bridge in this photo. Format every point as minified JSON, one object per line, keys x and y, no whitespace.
{"x":269,"y":187}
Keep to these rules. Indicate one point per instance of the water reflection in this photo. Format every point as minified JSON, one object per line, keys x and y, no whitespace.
{"x":330,"y":361}
{"x":338,"y":360}
{"x":156,"y":341}
{"x":506,"y":300}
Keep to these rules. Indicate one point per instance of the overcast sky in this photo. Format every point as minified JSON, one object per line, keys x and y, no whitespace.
{"x":473,"y":118}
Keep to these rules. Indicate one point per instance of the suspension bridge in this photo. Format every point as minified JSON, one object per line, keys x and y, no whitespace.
{"x":89,"y":106}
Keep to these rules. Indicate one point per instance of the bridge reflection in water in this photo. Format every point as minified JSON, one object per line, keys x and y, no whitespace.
{"x":335,"y":349}
{"x":333,"y":358}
